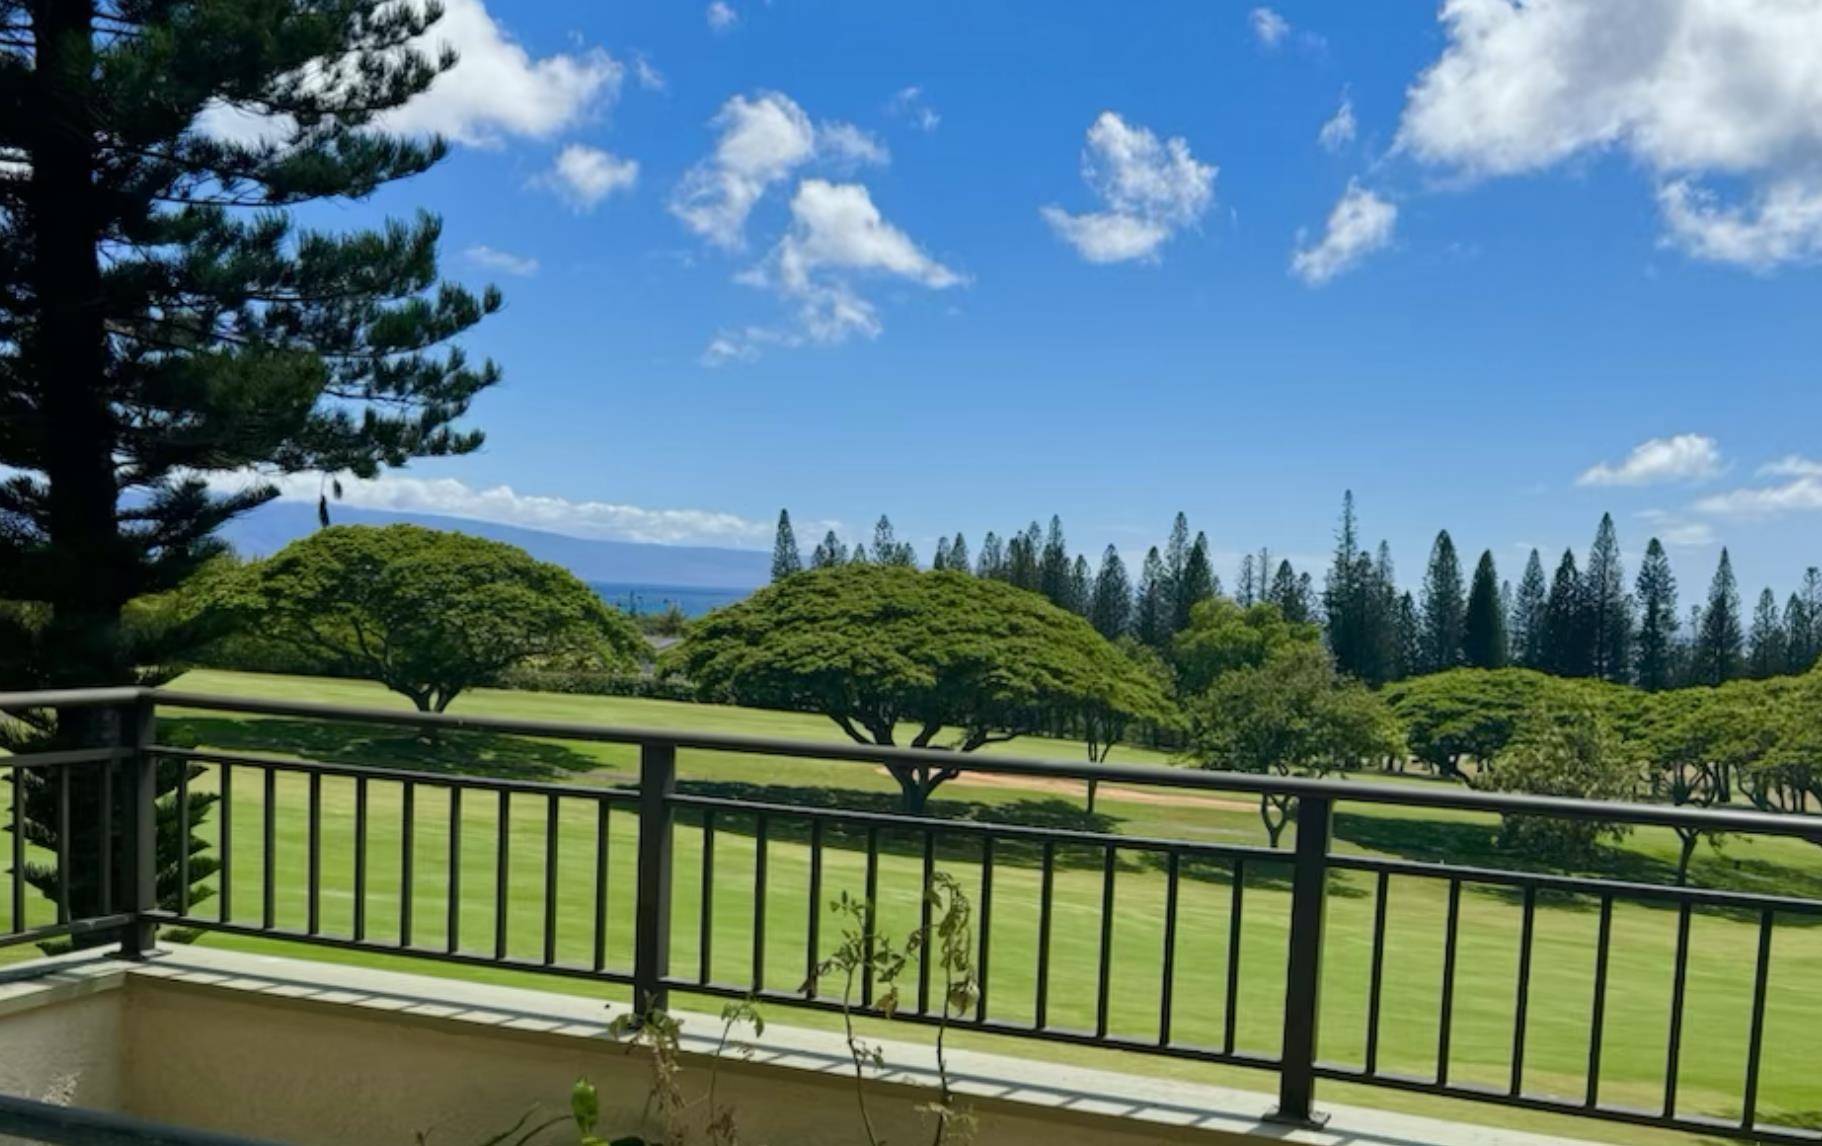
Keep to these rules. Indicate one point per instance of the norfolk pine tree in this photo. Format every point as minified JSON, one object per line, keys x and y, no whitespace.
{"x":1443,"y":606}
{"x":1609,"y":610}
{"x":1567,"y":644}
{"x":1767,"y":649}
{"x":786,"y":559}
{"x":1719,"y":638}
{"x":1529,"y":607}
{"x":1110,"y":610}
{"x":1654,"y":659}
{"x":958,"y":554}
{"x":829,"y":553}
{"x":1483,"y":631}
{"x":162,"y":316}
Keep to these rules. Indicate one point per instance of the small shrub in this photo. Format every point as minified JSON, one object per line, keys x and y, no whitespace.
{"x":1569,"y":751}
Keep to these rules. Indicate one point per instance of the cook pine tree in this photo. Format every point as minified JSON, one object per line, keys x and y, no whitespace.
{"x":164,"y":317}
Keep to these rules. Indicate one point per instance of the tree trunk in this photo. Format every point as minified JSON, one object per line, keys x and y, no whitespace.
{"x":1274,"y":828}
{"x":1688,"y":840}
{"x":1093,"y":788}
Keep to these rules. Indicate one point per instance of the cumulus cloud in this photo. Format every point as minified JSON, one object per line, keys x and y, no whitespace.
{"x":1791,"y":465}
{"x":1340,"y":129}
{"x":763,"y":140}
{"x":837,"y":235}
{"x":585,"y":175}
{"x":503,"y":261}
{"x":1677,"y":531}
{"x":503,"y":505}
{"x":1360,"y":224}
{"x":1691,"y":90}
{"x":1683,"y":457}
{"x":722,"y":16}
{"x":497,"y":88}
{"x":910,"y":105}
{"x":1269,"y":28}
{"x":1803,"y":491}
{"x":1151,"y":189}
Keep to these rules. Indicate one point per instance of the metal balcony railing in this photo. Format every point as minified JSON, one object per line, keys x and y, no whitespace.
{"x":120,"y":886}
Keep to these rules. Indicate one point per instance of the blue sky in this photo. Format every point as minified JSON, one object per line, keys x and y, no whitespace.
{"x":971,"y":264}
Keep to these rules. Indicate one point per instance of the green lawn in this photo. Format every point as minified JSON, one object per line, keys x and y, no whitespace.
{"x":1719,"y":984}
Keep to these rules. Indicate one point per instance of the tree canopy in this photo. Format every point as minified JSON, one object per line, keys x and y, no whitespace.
{"x":427,"y":613}
{"x":884,"y":649}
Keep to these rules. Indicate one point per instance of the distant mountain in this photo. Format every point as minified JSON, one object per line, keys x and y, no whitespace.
{"x":271,"y":527}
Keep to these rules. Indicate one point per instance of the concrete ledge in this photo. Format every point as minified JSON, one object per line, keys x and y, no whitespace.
{"x":195,"y":1016}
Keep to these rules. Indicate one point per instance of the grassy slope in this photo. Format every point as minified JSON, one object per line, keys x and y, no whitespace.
{"x":1557,"y":1034}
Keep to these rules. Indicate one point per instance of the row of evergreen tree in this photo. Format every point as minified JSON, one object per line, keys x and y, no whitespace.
{"x":1583,"y":621}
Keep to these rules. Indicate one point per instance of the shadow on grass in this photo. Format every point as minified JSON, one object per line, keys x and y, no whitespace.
{"x":1476,"y":845}
{"x":454,"y":752}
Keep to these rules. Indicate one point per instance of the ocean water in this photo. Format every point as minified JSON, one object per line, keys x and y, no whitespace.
{"x":693,"y":600}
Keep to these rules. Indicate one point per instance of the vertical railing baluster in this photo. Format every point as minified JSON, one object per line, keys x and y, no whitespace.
{"x":502,"y":874}
{"x":652,"y":933}
{"x":1046,"y":887}
{"x":452,"y":927}
{"x":705,"y":924}
{"x":761,"y":829}
{"x":1230,"y":1014}
{"x":923,"y":926}
{"x":268,"y":840}
{"x":314,"y":826}
{"x":18,"y":834}
{"x":183,"y":837}
{"x":814,"y":939}
{"x":551,"y":809}
{"x":1522,"y":1003}
{"x":1167,"y":981}
{"x":1376,"y":975}
{"x":1446,"y":1020}
{"x":360,"y":858}
{"x":1673,"y":1054}
{"x":139,"y":727}
{"x":1104,"y":978}
{"x":984,"y":963}
{"x":224,"y":873}
{"x":1598,"y":1022}
{"x":408,"y":817}
{"x":870,"y":924}
{"x":105,"y":845}
{"x":63,"y":843}
{"x":603,"y":825}
{"x":1303,"y":973}
{"x":1755,"y":1040}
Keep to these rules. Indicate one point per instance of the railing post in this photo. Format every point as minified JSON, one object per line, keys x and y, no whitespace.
{"x":1303,"y":974}
{"x":652,"y":933}
{"x":138,"y":732}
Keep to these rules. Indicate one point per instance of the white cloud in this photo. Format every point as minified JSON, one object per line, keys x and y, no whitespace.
{"x":647,"y":74}
{"x":504,"y":261}
{"x":1341,"y":128}
{"x":1791,"y":465}
{"x":721,"y":16}
{"x":1687,"y":535}
{"x":1683,"y":457}
{"x":586,"y":175}
{"x":1360,"y":224}
{"x":763,"y":140}
{"x":1151,"y":188}
{"x":497,"y":89}
{"x":1269,"y":27}
{"x":503,"y":505}
{"x":1797,"y":495}
{"x":909,"y":104}
{"x":1689,"y":89}
{"x":836,"y":233}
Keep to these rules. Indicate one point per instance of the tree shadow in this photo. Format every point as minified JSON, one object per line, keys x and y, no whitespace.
{"x":455,"y":752}
{"x":1049,"y":814}
{"x":1461,"y":844}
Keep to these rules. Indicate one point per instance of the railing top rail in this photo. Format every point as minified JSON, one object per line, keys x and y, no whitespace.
{"x":72,"y":698}
{"x":1451,"y":799}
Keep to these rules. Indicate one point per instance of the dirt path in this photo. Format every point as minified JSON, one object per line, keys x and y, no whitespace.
{"x":1078,"y":789}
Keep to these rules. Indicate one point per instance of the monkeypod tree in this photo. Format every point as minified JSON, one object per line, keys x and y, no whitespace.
{"x":885,"y":651}
{"x":426,"y":613}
